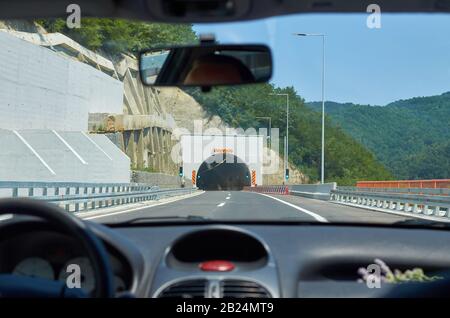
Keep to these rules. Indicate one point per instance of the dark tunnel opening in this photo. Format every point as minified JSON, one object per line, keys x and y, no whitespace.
{"x":223,"y":172}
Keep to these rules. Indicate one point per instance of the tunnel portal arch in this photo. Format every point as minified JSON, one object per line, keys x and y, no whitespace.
{"x":201,"y":155}
{"x":223,"y":172}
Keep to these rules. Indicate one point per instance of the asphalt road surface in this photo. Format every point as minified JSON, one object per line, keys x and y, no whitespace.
{"x":235,"y":205}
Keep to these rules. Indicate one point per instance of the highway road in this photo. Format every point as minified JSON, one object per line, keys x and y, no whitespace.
{"x":235,"y":205}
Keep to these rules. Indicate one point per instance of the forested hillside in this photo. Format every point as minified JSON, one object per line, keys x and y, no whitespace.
{"x":346,"y":161}
{"x":116,"y":36}
{"x":411,"y":137}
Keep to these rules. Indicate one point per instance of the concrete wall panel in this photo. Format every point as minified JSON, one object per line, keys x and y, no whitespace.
{"x":43,"y":156}
{"x":42,"y":89}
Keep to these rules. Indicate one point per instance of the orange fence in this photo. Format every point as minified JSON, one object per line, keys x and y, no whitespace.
{"x":434,"y":184}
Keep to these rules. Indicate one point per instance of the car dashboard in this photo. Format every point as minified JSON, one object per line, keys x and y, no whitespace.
{"x":267,"y":261}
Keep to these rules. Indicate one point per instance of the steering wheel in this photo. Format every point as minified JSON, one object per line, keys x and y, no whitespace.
{"x":14,"y":285}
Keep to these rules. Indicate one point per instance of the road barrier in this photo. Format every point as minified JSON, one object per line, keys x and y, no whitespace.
{"x":313,"y":191}
{"x":278,"y":189}
{"x":421,"y":191}
{"x":253,"y":178}
{"x":75,"y":197}
{"x":427,"y":202}
{"x":434,"y":183}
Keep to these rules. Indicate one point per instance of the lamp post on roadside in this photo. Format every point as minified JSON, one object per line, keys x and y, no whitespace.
{"x":322,"y":172}
{"x":286,"y":154}
{"x":269,"y":134}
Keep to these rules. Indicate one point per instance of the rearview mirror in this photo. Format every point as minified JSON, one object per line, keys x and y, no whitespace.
{"x":206,"y":65}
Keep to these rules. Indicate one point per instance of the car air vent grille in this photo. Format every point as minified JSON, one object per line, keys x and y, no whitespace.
{"x":243,"y":289}
{"x":186,"y":289}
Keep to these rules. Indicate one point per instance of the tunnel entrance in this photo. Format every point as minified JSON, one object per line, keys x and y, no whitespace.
{"x":223,"y":172}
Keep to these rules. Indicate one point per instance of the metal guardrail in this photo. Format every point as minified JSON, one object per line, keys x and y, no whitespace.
{"x":428,"y":203}
{"x":75,"y":197}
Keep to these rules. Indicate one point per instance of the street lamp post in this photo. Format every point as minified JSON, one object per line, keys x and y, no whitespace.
{"x":286,"y":154}
{"x":269,"y":134}
{"x":322,"y":172}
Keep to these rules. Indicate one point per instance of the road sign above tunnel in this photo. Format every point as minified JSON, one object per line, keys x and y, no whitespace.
{"x":223,"y":161}
{"x":223,"y":150}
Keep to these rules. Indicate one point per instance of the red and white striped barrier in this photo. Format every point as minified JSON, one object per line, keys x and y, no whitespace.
{"x":276,"y":189}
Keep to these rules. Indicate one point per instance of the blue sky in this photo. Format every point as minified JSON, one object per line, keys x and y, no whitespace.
{"x":409,"y":56}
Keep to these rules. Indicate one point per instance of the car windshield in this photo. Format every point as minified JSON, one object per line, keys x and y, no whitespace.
{"x":352,"y":127}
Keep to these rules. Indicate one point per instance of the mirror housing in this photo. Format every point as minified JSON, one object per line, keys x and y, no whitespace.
{"x":206,"y":65}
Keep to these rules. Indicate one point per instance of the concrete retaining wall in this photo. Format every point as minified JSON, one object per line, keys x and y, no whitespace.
{"x":160,"y":179}
{"x":314,"y":191}
{"x":50,"y":156}
{"x":42,"y":89}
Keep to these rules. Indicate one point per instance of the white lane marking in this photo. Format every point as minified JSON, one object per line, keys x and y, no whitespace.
{"x":134,"y":209}
{"x":221,"y":204}
{"x":227,"y":198}
{"x":314,"y":215}
{"x":34,"y":152}
{"x":96,"y":145}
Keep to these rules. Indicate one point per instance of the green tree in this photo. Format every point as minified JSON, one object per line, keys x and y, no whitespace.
{"x":115,"y":36}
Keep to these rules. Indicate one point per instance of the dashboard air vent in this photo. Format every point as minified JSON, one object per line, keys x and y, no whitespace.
{"x":243,"y":289}
{"x":186,"y":289}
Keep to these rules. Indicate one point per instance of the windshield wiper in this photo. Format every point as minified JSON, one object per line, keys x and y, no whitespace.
{"x":164,"y":218}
